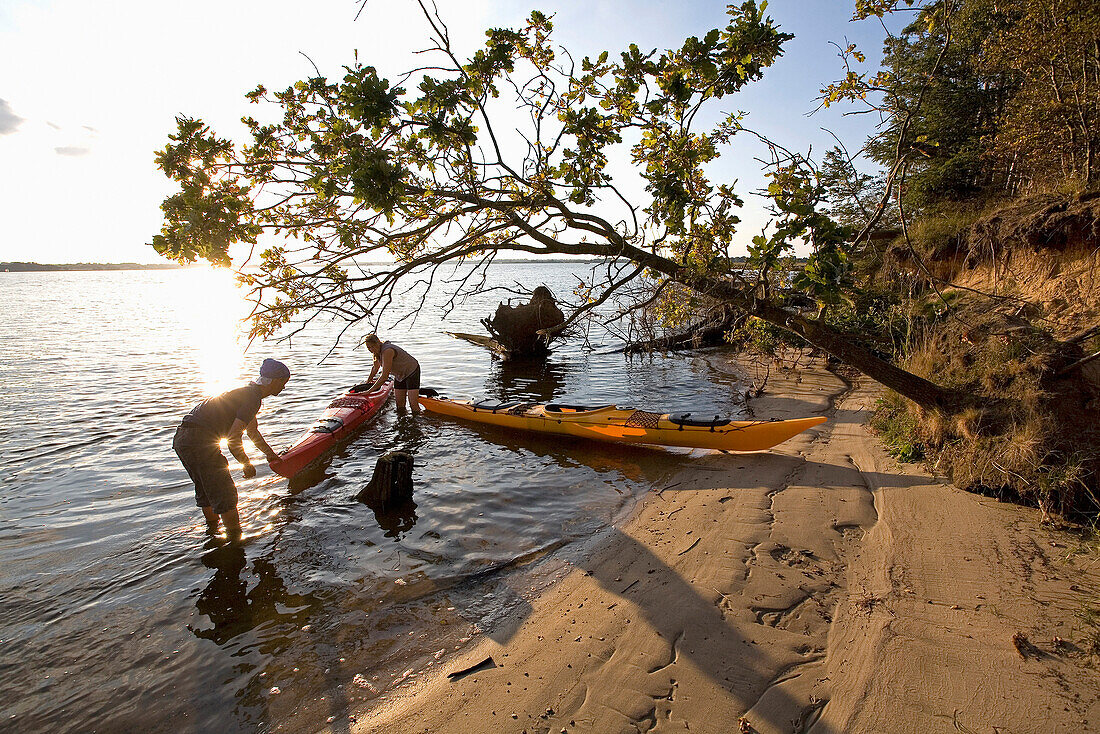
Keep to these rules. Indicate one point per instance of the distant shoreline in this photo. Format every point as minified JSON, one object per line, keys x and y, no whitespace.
{"x":30,"y":267}
{"x":27,"y":267}
{"x":21,"y":267}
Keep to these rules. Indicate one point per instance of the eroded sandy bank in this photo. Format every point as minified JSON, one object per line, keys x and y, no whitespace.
{"x":819,"y":587}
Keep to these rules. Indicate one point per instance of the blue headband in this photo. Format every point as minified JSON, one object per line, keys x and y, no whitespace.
{"x":273,"y":369}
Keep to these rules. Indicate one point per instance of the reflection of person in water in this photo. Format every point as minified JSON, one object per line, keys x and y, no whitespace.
{"x":233,"y":609}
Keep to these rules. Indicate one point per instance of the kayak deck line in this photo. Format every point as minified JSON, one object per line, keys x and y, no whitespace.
{"x":344,"y":417}
{"x":623,"y":425}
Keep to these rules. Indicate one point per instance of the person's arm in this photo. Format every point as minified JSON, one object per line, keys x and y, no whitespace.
{"x":387,"y":363}
{"x":258,"y":441}
{"x":236,"y":447}
{"x":366,"y":386}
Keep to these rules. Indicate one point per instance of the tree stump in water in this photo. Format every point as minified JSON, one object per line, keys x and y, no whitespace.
{"x":392,"y":485}
{"x":517,"y":328}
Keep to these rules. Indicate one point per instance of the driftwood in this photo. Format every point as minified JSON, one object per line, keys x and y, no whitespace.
{"x":392,"y":485}
{"x":483,"y":341}
{"x":517,"y":329}
{"x":1077,"y":365}
{"x":703,"y":334}
{"x":484,"y":664}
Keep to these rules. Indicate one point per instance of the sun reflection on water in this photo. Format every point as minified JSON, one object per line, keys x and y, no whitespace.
{"x":213,"y":306}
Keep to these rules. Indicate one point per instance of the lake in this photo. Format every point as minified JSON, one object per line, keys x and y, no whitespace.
{"x":118,"y":612}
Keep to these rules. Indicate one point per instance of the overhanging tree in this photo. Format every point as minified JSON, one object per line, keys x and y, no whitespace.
{"x":361,"y":168}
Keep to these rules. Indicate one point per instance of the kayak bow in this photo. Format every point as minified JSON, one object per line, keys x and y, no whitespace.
{"x":343,"y":418}
{"x":623,"y":425}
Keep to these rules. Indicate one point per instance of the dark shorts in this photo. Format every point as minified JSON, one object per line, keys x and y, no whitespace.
{"x":207,"y":467}
{"x":412,"y":382}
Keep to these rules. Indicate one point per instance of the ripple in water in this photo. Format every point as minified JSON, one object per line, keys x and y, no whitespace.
{"x":118,"y":612}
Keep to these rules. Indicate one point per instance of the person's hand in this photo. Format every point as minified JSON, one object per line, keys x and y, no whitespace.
{"x":248,"y":470}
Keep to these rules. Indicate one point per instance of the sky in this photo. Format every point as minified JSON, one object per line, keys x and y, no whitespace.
{"x":90,"y":90}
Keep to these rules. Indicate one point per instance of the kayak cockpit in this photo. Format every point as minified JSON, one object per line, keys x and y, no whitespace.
{"x":326,"y":425}
{"x":495,"y":406}
{"x":686,"y":419}
{"x":557,"y":410}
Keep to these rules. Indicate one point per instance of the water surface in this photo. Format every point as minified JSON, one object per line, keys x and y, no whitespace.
{"x":119,"y":613}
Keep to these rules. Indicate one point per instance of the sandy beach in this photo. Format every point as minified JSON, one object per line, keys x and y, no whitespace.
{"x":819,"y":587}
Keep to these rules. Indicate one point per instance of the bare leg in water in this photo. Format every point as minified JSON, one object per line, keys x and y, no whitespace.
{"x":412,"y":397}
{"x":231,"y":520}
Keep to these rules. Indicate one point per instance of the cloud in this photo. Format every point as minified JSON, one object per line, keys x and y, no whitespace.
{"x":72,"y":150}
{"x":8,"y":119}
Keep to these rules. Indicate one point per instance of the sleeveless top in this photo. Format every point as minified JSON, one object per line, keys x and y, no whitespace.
{"x":403,"y":363}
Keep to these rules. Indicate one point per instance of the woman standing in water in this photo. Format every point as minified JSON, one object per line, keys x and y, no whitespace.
{"x":390,"y":359}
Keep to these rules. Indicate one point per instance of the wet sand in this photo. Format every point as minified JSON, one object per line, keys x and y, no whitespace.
{"x":819,"y":587}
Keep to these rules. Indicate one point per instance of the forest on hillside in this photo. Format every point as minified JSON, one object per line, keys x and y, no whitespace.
{"x":951,"y":257}
{"x":986,"y":187}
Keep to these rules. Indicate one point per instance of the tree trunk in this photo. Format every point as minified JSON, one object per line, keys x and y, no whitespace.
{"x":921,"y":391}
{"x":706,"y":334}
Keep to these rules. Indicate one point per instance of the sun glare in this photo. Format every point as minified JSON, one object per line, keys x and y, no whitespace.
{"x":214,"y":306}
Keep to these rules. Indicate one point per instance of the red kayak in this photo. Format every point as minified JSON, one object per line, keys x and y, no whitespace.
{"x":342,"y":419}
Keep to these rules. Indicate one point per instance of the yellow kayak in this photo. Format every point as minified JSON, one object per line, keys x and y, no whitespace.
{"x":623,"y":425}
